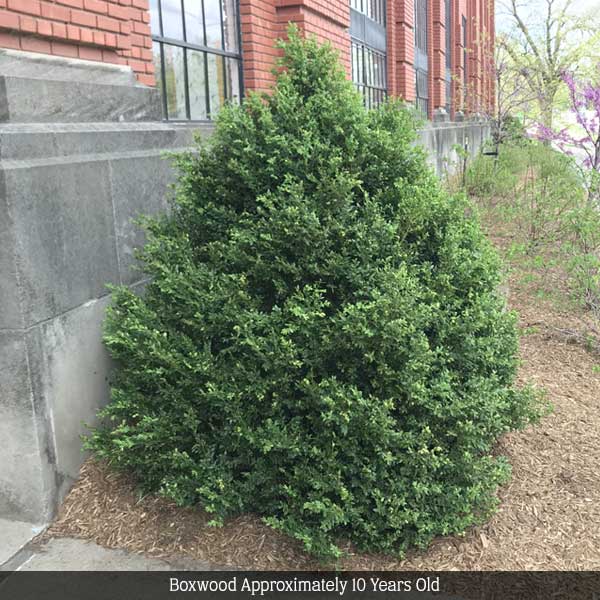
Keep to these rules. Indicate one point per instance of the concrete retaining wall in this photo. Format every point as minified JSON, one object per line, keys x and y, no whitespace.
{"x":66,"y":232}
{"x":69,"y":191}
{"x":440,"y":139}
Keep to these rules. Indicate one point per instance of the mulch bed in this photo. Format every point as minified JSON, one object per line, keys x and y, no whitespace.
{"x":549,"y":517}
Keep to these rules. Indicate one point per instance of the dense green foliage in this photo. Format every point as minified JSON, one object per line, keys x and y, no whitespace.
{"x":321,"y":341}
{"x":538,"y":196}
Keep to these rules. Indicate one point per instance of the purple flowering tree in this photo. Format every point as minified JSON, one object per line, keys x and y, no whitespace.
{"x":547,"y":37}
{"x":582,"y":141}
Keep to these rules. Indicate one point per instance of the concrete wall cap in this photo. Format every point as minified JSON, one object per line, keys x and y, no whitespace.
{"x":33,"y":65}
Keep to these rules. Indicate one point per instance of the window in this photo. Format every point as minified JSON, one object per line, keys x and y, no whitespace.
{"x":448,"y":25}
{"x":196,"y":56}
{"x":369,"y":73}
{"x":422,"y":92}
{"x":374,"y":9}
{"x":421,"y":57}
{"x":465,"y":55}
{"x":369,"y":45}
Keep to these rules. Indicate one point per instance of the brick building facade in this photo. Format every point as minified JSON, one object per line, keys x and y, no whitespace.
{"x":436,"y":53}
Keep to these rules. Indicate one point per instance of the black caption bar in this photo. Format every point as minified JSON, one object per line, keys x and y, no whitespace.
{"x":175,"y":585}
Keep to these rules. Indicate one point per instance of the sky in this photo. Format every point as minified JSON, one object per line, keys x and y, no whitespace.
{"x":532,"y":7}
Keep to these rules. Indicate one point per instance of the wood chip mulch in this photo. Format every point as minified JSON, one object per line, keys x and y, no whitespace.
{"x":549,"y":517}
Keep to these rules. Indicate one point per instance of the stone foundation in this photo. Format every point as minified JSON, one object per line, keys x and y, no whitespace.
{"x":81,"y":156}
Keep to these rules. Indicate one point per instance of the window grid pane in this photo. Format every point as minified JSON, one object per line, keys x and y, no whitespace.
{"x":369,"y":73}
{"x":174,"y":81}
{"x":374,"y":9}
{"x":448,"y":26}
{"x":216,"y":82}
{"x":212,"y":15}
{"x":422,"y":91}
{"x":465,"y":57}
{"x":421,"y":25}
{"x":194,"y":22}
{"x":172,"y":19}
{"x":230,"y":25}
{"x":197,"y":84}
{"x":421,"y":57}
{"x":196,"y":56}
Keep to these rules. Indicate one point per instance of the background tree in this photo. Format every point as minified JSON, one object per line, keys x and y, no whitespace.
{"x":582,"y":139}
{"x":513,"y":95}
{"x":543,"y":39}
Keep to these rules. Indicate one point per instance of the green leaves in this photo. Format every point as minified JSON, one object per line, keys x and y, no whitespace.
{"x":539,"y":194}
{"x":321,"y":341}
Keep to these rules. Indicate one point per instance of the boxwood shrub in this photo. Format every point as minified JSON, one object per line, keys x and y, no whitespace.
{"x":321,"y":341}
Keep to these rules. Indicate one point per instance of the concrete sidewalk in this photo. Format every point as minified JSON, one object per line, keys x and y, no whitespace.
{"x":14,"y":535}
{"x":69,"y":554}
{"x":19,"y":553}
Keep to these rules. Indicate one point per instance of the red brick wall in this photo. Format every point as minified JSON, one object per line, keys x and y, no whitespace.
{"x":111,"y":31}
{"x":480,"y":87}
{"x":479,"y":94}
{"x":437,"y":58}
{"x":459,"y":9}
{"x":259,"y":29}
{"x":118,"y":31}
{"x":264,"y":21}
{"x":404,"y":39}
{"x":490,"y":68}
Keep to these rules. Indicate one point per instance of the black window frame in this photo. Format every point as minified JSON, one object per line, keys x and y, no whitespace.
{"x":376,"y":10}
{"x":449,"y":54}
{"x":374,"y":92}
{"x":465,"y":55}
{"x":161,"y":41}
{"x":421,"y":35}
{"x":368,"y":50}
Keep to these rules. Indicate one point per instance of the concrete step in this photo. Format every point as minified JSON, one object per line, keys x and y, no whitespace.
{"x":31,"y":100}
{"x":30,"y":141}
{"x":17,"y":63}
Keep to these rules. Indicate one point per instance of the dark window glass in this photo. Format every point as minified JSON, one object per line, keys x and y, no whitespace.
{"x":196,"y":56}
